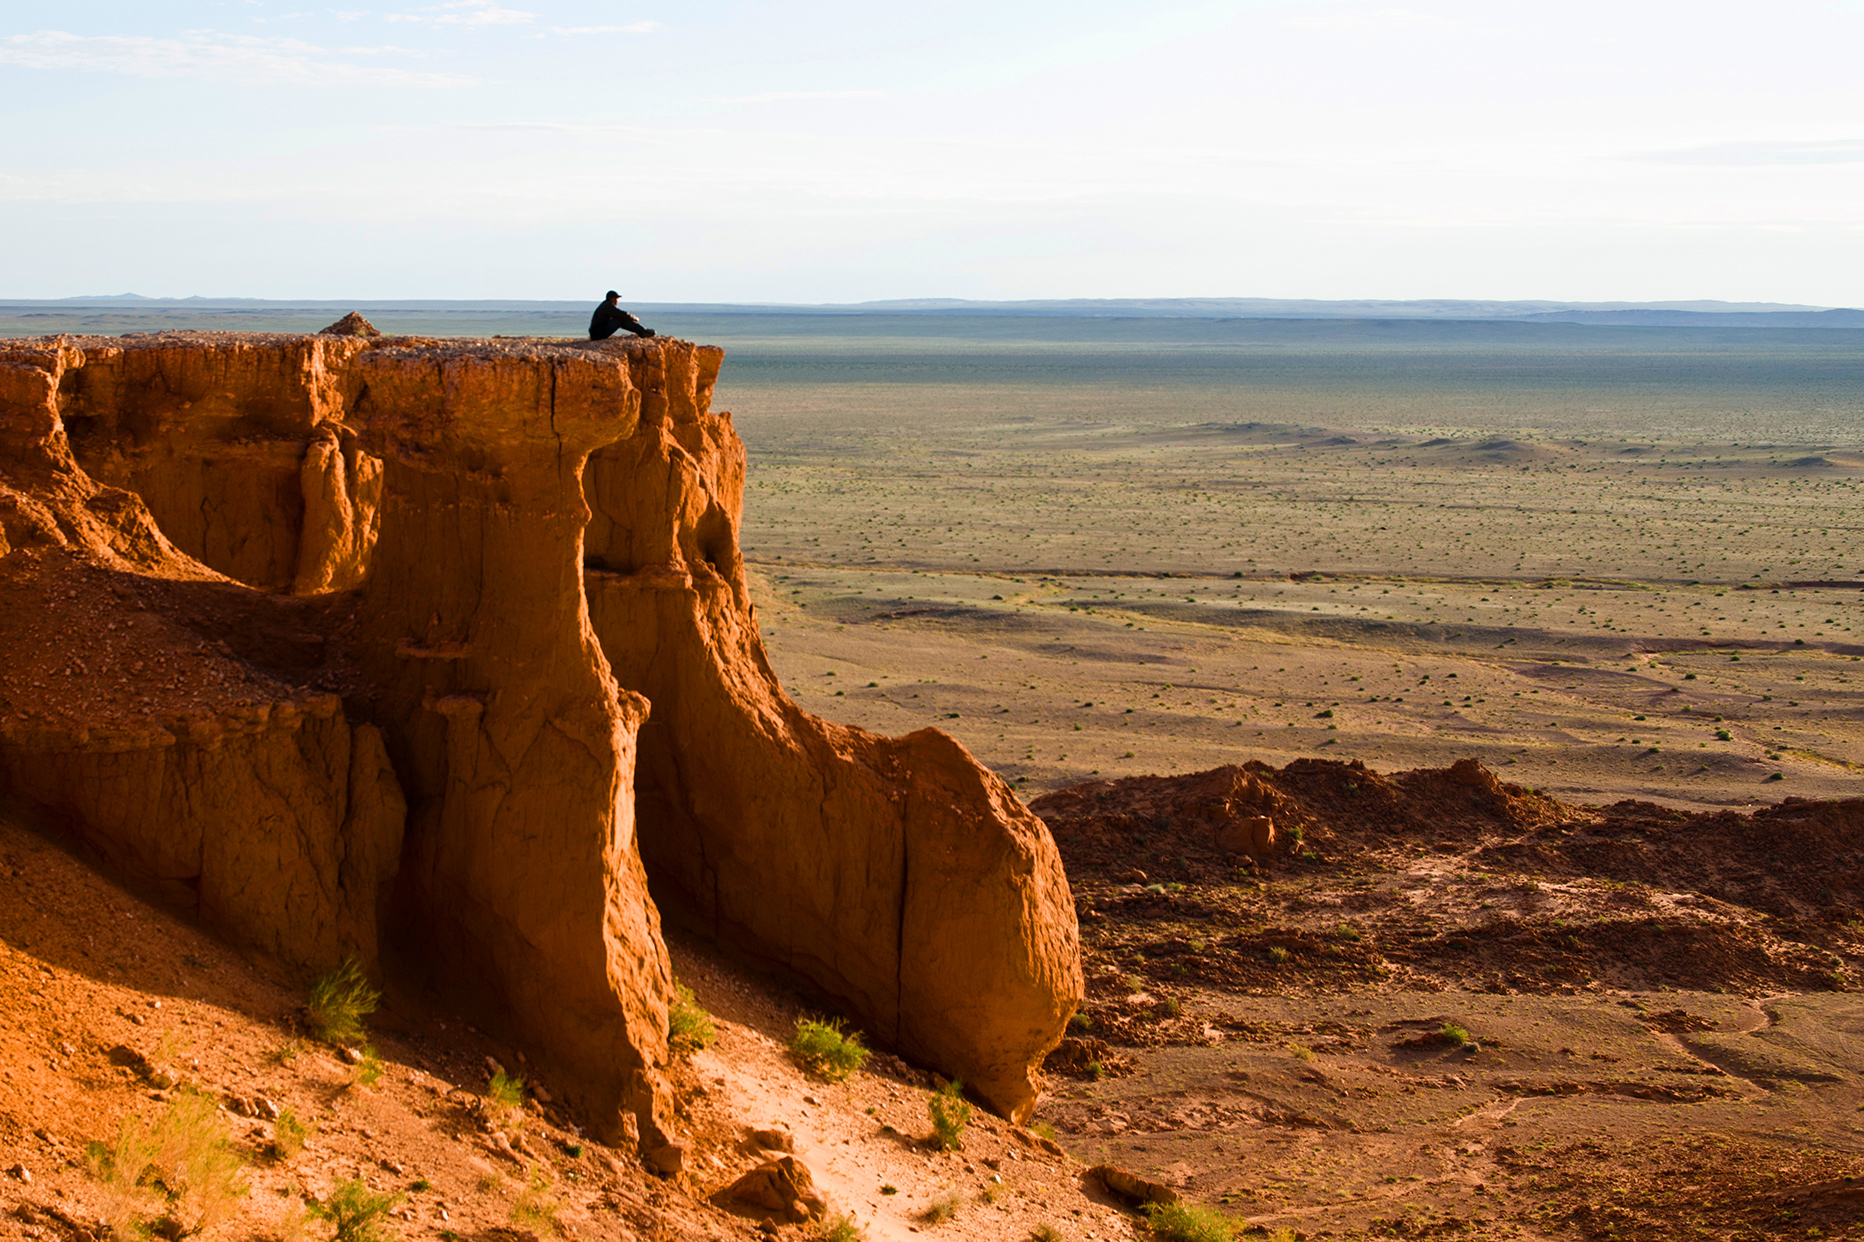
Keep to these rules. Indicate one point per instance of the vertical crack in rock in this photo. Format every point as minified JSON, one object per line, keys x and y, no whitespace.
{"x":896,"y":878}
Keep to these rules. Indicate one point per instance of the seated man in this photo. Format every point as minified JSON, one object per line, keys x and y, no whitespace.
{"x":609,"y":318}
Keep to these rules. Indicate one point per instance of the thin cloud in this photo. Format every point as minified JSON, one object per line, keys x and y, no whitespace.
{"x":467,"y":13}
{"x":787,"y":96}
{"x":1370,"y":22}
{"x":240,"y":58}
{"x":1840,"y":151}
{"x":631,"y":28}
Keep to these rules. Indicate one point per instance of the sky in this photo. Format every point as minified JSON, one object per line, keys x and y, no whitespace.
{"x":830,"y":151}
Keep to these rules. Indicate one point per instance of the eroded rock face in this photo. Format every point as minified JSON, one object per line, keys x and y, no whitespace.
{"x":346,"y":643}
{"x":897,"y":877}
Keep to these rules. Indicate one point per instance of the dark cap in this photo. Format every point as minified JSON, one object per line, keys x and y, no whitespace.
{"x":613,"y":294}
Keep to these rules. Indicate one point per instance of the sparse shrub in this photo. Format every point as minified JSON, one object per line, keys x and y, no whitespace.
{"x":354,"y":1211}
{"x":991,"y":1192}
{"x":179,"y":1168}
{"x":1188,"y":1222}
{"x":288,"y":1051}
{"x":842,"y":1229}
{"x":951,"y":1113}
{"x":1453,"y":1035}
{"x":1096,"y":1070}
{"x":1301,"y":1052}
{"x":1080,"y":1022}
{"x":943,"y":1208}
{"x":504,"y":1097}
{"x":369,"y":1069}
{"x":1043,"y":1129}
{"x":339,"y":1002}
{"x":1277,"y":954}
{"x":1171,"y":1007}
{"x":1045,"y":1232}
{"x":688,"y":1025}
{"x":825,"y":1048}
{"x":1133,"y":983}
{"x":288,"y":1135}
{"x":536,"y":1208}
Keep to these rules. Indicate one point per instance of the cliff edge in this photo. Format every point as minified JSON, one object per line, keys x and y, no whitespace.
{"x":416,"y":651}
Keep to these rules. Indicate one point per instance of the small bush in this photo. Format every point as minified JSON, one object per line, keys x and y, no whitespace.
{"x":288,"y":1051}
{"x":1133,"y":983}
{"x":842,"y":1229}
{"x":355,"y":1212}
{"x":504,"y":1096}
{"x":943,"y":1208}
{"x":1043,"y":1129}
{"x":1080,"y":1022}
{"x":951,"y":1113}
{"x":369,"y":1069}
{"x":1188,"y":1222}
{"x":339,"y":1002}
{"x":536,"y":1208}
{"x":689,"y":1026}
{"x":825,"y":1048}
{"x":1045,"y":1232}
{"x":176,"y":1175}
{"x":1277,"y":954}
{"x":288,"y":1135}
{"x":1453,"y":1035}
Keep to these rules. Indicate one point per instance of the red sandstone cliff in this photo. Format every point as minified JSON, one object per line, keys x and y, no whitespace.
{"x":347,"y":645}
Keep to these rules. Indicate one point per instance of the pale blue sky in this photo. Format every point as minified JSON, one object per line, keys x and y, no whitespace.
{"x":845,"y":151}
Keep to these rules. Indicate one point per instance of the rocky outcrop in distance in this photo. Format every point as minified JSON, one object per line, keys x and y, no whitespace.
{"x":416,"y":651}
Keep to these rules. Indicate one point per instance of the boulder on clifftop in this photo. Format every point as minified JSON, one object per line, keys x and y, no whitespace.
{"x":352,"y":324}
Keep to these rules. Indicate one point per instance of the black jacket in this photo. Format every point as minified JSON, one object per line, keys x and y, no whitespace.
{"x":609,"y":320}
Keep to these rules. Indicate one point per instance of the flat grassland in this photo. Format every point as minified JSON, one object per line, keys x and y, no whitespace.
{"x":1609,"y":561}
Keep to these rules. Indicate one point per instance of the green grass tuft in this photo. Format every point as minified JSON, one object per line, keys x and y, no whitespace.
{"x":288,"y":1135}
{"x":943,"y":1208}
{"x":689,"y":1026}
{"x":175,"y":1175}
{"x":355,"y":1212}
{"x":951,"y":1113}
{"x":504,"y":1097}
{"x":1188,"y":1222}
{"x":825,"y":1048}
{"x":843,"y":1229}
{"x":339,"y":1002}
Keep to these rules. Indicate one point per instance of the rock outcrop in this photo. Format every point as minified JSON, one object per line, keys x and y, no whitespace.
{"x":414,"y":651}
{"x":897,"y":877}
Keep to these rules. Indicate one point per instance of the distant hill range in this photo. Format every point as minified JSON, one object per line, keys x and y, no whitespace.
{"x":1621,"y":314}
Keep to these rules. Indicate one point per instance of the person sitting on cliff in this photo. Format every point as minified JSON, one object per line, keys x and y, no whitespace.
{"x":610,"y":318}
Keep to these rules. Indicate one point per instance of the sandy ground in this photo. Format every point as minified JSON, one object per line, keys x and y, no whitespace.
{"x":90,"y":975}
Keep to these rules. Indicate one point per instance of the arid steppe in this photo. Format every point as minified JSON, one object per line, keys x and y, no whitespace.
{"x":1162,"y":572}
